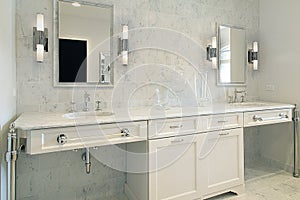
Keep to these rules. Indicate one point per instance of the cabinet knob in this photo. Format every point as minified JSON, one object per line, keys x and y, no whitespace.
{"x":125,"y":132}
{"x":62,"y":139}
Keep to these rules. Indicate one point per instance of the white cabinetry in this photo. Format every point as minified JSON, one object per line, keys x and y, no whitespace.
{"x":193,"y":158}
{"x":174,"y":168}
{"x":222,"y":162}
{"x":196,"y":166}
{"x":68,"y":138}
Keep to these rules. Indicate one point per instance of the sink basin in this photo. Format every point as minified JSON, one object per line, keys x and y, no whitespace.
{"x":76,"y":115}
{"x":249,"y":104}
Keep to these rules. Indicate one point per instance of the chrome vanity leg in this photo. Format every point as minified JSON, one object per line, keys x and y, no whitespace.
{"x":86,"y":158}
{"x":296,"y":141}
{"x":11,"y":157}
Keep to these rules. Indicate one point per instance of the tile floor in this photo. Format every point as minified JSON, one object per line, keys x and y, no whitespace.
{"x":277,"y":186}
{"x":264,"y":182}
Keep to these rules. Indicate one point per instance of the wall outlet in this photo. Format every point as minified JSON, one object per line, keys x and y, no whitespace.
{"x":270,"y":87}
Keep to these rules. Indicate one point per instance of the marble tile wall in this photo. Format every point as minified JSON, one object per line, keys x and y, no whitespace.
{"x":179,"y":32}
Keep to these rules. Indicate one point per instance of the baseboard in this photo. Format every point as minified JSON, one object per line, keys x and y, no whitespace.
{"x":240,"y":189}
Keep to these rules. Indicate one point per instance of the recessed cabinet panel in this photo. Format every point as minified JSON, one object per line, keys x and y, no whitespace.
{"x":222,"y":163}
{"x":174,"y":168}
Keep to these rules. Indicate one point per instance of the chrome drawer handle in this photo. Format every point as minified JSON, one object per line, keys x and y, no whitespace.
{"x":281,"y":116}
{"x":177,"y":141}
{"x":62,"y":139}
{"x":222,"y":121}
{"x":125,"y":132}
{"x":257,"y":118}
{"x":173,"y":127}
{"x":223,"y":134}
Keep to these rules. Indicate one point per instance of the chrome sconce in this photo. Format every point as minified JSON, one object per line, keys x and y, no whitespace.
{"x":123,"y":45}
{"x":40,"y":38}
{"x":253,"y":55}
{"x":211,"y":52}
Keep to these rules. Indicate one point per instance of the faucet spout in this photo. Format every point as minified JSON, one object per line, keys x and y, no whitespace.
{"x":236,"y":92}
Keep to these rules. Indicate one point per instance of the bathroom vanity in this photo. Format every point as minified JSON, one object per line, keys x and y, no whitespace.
{"x":185,"y":153}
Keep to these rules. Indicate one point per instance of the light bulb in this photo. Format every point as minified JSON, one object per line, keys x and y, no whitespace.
{"x":255,"y":46}
{"x":214,"y":42}
{"x":125,"y":32}
{"x":255,"y":64}
{"x":40,"y":22}
{"x":125,"y":57}
{"x":39,"y":53}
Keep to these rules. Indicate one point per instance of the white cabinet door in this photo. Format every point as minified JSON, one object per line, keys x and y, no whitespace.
{"x":174,"y":168}
{"x":222,"y":162}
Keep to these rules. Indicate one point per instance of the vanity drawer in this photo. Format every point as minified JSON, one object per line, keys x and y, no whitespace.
{"x":60,"y":139}
{"x":257,"y":118}
{"x":171,"y":127}
{"x":222,"y":121}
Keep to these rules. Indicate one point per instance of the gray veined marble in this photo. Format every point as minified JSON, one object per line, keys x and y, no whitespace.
{"x":274,"y":186}
{"x":57,"y":175}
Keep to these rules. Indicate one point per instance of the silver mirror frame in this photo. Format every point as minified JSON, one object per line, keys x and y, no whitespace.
{"x":238,"y":84}
{"x":55,"y":47}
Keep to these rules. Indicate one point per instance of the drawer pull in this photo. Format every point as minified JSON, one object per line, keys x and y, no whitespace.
{"x":260,"y":119}
{"x":222,"y":121}
{"x":283,"y":115}
{"x":177,"y":141}
{"x":223,"y":134}
{"x":177,"y":126}
{"x":125,"y":132}
{"x":62,"y":139}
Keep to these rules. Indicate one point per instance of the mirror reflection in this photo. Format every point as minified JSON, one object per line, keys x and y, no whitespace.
{"x":232,"y":60}
{"x":84,"y":46}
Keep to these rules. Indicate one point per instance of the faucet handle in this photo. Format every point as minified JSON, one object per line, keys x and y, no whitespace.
{"x":98,"y":105}
{"x":72,"y":106}
{"x":230,"y":99}
{"x":243,"y":98}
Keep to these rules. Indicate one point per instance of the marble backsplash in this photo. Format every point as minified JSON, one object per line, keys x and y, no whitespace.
{"x":178,"y":32}
{"x":168,"y":42}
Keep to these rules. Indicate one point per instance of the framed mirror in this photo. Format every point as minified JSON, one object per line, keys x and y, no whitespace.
{"x":231,"y":55}
{"x":82,"y":48}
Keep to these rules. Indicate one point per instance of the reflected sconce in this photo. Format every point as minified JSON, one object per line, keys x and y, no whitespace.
{"x":40,"y":38}
{"x":253,"y":55}
{"x":123,"y":45}
{"x":211,"y":52}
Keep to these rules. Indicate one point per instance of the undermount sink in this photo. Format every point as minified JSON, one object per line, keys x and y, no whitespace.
{"x":249,"y":104}
{"x":76,"y":115}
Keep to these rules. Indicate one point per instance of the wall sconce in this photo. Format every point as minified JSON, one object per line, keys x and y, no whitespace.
{"x":253,"y":56}
{"x":123,"y":45}
{"x":211,"y":52}
{"x":40,"y":38}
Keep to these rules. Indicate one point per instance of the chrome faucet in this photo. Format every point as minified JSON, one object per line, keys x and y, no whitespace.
{"x":86,"y":98}
{"x":98,"y":108}
{"x":236,"y":92}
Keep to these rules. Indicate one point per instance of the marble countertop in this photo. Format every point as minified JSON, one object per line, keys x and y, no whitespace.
{"x":40,"y":120}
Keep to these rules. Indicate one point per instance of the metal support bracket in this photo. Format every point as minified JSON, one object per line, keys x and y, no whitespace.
{"x":296,"y":119}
